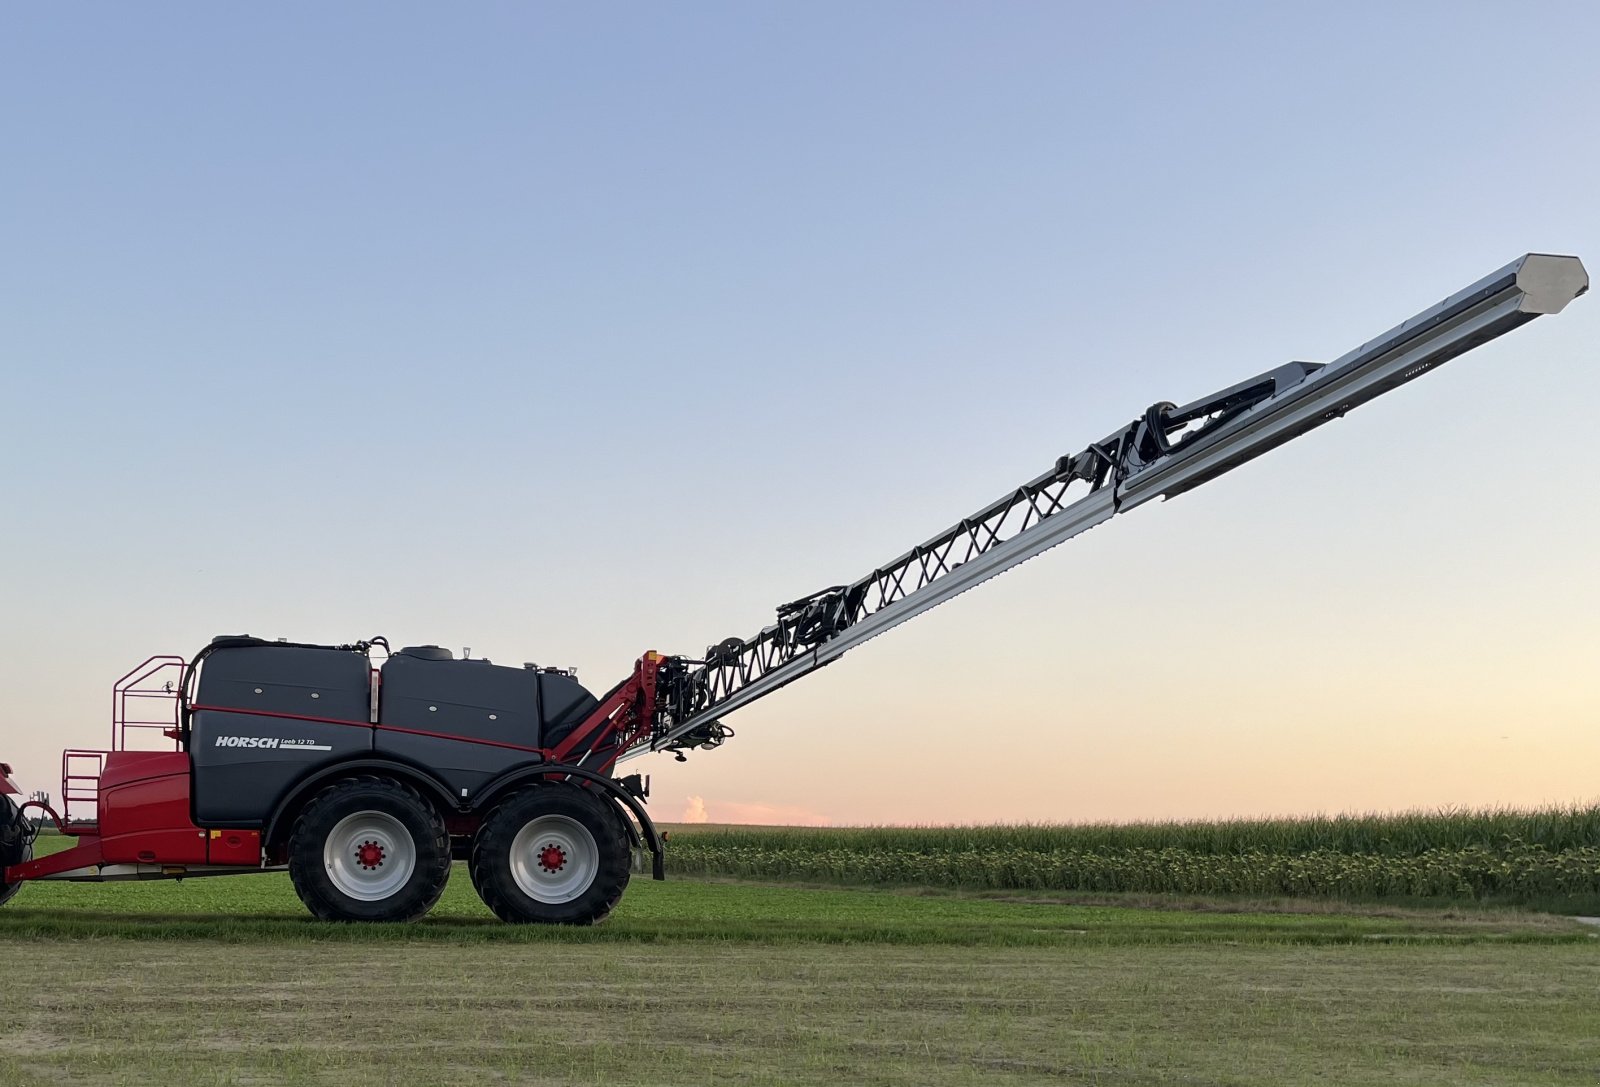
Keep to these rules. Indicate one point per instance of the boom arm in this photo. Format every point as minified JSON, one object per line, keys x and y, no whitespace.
{"x":1165,"y":452}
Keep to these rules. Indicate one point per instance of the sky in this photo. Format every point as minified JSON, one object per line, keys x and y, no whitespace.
{"x":565,"y":332}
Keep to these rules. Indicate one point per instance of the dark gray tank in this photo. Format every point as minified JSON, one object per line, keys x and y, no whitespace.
{"x":264,"y":716}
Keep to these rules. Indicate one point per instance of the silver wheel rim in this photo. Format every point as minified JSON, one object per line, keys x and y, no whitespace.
{"x":554,"y":858}
{"x":369,"y":855}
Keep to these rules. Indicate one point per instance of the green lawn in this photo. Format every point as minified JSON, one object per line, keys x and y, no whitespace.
{"x":229,"y":981}
{"x":256,"y":907}
{"x":749,"y":1012}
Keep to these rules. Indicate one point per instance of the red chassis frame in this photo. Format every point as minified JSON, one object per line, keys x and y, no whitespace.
{"x":144,"y":827}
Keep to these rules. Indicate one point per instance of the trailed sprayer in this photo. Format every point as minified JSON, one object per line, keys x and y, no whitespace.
{"x":365,"y":771}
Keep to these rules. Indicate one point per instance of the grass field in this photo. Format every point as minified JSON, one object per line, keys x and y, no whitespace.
{"x":228,"y":981}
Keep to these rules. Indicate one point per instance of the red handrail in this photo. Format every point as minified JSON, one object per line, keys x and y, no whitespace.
{"x":157,"y":678}
{"x":142,"y":688}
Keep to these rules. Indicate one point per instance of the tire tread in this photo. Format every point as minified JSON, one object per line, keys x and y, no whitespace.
{"x":305,"y":853}
{"x":491,"y":875}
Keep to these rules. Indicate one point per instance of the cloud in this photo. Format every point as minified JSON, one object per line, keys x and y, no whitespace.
{"x":787,"y":815}
{"x":697,"y":810}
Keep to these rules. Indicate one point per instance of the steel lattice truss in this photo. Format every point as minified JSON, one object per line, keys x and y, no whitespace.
{"x":805,"y":625}
{"x":1166,"y":452}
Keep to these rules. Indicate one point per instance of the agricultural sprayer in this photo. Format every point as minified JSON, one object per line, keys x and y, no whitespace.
{"x":366,"y":771}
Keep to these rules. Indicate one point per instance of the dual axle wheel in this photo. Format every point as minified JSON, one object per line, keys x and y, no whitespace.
{"x":554,"y":855}
{"x":371,"y":849}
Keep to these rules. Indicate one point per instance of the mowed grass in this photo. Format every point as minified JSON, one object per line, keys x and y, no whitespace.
{"x":245,"y":909}
{"x":228,"y":981}
{"x":363,"y":1015}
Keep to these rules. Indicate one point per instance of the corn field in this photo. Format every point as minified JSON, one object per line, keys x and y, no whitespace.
{"x":1547,"y":856}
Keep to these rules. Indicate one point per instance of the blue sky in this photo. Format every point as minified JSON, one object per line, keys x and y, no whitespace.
{"x":568,"y":332}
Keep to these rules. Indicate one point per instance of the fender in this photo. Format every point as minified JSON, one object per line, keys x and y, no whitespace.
{"x":512,"y":778}
{"x":423,"y":779}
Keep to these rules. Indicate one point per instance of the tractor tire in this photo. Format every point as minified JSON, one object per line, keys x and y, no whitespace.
{"x":551,"y":855}
{"x":369,"y":849}
{"x":16,"y":845}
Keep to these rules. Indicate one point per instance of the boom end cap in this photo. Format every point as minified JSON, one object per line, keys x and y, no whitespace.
{"x":1549,"y":282}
